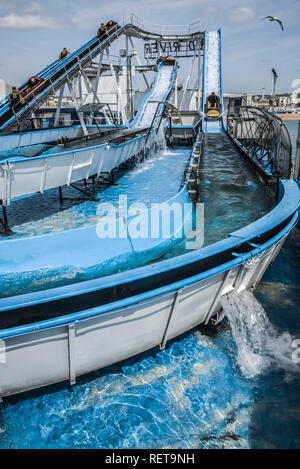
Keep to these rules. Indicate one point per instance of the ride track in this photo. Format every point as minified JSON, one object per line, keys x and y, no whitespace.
{"x":58,"y":334}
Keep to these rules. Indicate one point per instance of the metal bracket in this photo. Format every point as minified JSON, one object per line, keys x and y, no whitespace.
{"x":163,"y":343}
{"x":71,"y":350}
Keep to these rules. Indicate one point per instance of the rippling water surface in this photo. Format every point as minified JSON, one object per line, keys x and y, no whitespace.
{"x":232,"y":195}
{"x":195,"y":393}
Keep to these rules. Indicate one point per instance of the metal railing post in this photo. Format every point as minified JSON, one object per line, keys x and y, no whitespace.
{"x":268,"y":142}
{"x":297,"y":162}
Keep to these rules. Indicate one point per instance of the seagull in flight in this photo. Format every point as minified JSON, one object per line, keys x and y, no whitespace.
{"x":274,"y":18}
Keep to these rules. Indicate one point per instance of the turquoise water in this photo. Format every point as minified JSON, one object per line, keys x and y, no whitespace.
{"x":229,"y":190}
{"x":193,"y":394}
{"x":154,"y":181}
{"x":232,"y":195}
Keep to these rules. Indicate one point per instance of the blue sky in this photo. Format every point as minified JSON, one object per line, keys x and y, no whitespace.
{"x":32,"y":32}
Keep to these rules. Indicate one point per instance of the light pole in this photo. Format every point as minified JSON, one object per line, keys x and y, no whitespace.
{"x":275,"y":76}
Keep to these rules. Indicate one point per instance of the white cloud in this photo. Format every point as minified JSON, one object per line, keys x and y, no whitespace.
{"x":29,"y":22}
{"x":242,"y":15}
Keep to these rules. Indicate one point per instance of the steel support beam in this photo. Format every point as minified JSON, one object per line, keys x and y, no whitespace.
{"x":117,"y":86}
{"x":96,"y":84}
{"x":59,"y":104}
{"x":188,"y":79}
{"x":139,"y":63}
{"x":80,"y":115}
{"x":163,"y":343}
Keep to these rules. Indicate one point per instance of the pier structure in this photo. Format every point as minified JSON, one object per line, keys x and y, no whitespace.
{"x":57,"y":334}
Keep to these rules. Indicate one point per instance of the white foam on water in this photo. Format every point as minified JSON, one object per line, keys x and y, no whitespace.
{"x":260,"y":346}
{"x":157,"y":152}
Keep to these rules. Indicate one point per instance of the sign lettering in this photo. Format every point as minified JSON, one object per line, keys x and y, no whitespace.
{"x":176,"y":48}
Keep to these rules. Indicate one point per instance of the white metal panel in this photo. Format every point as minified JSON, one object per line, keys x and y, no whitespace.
{"x":45,"y":357}
{"x":9,"y":142}
{"x":81,"y":165}
{"x":26,"y":177}
{"x":35,"y":360}
{"x":41,"y":173}
{"x":57,"y":170}
{"x":109,"y":339}
{"x":193,"y":305}
{"x":98,"y":156}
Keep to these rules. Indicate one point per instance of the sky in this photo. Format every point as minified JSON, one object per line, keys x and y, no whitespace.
{"x":32,"y":33}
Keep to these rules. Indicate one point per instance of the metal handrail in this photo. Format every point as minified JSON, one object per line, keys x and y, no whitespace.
{"x":266,"y":139}
{"x":90,"y":50}
{"x":296,"y":173}
{"x":163,"y":29}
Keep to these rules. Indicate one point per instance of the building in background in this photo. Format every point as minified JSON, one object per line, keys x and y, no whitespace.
{"x":247,"y":99}
{"x":5,"y":88}
{"x":284,"y":101}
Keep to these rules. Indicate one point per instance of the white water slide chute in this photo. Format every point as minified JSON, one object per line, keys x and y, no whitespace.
{"x":212,"y":78}
{"x":153,"y":103}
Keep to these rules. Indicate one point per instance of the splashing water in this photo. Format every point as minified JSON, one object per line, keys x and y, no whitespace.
{"x":260,"y":346}
{"x":186,"y":396}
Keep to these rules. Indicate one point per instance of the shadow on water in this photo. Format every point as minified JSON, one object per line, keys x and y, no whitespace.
{"x":275,"y":415}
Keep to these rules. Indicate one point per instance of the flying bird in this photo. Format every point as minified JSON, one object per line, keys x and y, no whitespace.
{"x":274,"y":18}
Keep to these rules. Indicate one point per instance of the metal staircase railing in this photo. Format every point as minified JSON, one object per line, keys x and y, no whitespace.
{"x":296,"y":172}
{"x":265,"y":139}
{"x":59,"y":73}
{"x":67,"y":70}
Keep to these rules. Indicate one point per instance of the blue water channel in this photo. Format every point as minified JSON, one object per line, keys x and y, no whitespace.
{"x":193,"y":394}
{"x":230,"y":193}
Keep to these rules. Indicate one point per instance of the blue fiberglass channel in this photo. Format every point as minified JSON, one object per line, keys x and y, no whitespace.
{"x":18,"y":140}
{"x":289,"y":203}
{"x":145,"y":99}
{"x":43,"y":156}
{"x":221,"y":79}
{"x":286,"y":210}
